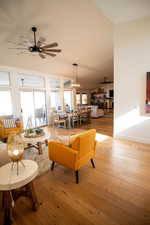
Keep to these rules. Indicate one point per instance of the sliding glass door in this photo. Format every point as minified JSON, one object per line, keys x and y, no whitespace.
{"x":40,"y":108}
{"x":27,"y":107}
{"x":33,"y":107}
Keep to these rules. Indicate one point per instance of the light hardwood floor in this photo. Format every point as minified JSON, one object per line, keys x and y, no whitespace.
{"x":103,"y":125}
{"x":116,"y":192}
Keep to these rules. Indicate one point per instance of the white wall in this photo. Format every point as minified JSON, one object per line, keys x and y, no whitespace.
{"x":131,"y":62}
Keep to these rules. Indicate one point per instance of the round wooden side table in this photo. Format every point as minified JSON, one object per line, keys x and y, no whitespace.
{"x":14,"y":186}
{"x":36,"y":142}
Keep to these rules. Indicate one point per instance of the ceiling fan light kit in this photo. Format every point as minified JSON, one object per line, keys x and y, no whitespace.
{"x":40,"y":48}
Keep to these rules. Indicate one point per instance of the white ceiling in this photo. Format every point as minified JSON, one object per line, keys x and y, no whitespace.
{"x":83,"y":29}
{"x":124,"y":10}
{"x":84,"y":34}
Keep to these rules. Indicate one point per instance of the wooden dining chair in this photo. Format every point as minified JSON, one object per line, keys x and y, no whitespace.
{"x":59,"y":121}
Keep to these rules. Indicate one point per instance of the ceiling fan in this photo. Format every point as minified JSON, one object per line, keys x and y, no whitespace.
{"x":106,"y":81}
{"x":40,"y":48}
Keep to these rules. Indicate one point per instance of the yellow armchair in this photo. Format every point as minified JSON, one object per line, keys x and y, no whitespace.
{"x":5,"y":132}
{"x":81,"y":151}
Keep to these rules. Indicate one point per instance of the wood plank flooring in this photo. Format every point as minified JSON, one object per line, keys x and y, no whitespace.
{"x":103,"y":125}
{"x":116,"y":192}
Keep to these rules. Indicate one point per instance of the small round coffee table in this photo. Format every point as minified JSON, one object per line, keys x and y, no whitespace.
{"x":36,"y":142}
{"x":14,"y":186}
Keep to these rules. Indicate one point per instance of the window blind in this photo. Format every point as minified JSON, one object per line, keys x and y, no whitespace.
{"x":31,"y":81}
{"x":54,"y":83}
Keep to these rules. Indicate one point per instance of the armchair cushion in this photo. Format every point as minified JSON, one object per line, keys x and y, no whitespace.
{"x":63,"y":140}
{"x":66,"y":139}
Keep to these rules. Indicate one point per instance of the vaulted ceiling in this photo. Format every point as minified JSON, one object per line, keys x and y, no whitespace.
{"x":83,"y":29}
{"x":84,"y":34}
{"x":124,"y":10}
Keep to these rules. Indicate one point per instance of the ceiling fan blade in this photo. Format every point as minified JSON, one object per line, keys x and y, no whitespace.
{"x":48,"y":53}
{"x":50,"y":45}
{"x":23,"y":52}
{"x":42,"y":56}
{"x":52,"y":50}
{"x":19,"y":48}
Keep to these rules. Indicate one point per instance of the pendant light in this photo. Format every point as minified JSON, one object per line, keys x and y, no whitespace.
{"x":75,"y":68}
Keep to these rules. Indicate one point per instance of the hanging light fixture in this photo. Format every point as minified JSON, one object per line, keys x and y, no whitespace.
{"x":76,"y":84}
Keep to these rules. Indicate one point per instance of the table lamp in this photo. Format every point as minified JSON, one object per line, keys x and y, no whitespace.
{"x":15,"y":148}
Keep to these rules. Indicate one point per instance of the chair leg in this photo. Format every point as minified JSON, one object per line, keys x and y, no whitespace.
{"x":52,"y":166}
{"x":92,"y":163}
{"x":77,"y":176}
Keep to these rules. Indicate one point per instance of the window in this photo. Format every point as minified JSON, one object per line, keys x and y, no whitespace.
{"x":27,"y":108}
{"x":55,"y":99}
{"x":5,"y":95}
{"x":31,"y":81}
{"x":6,"y":108}
{"x":40,"y":108}
{"x":4,"y":79}
{"x":78,"y":99}
{"x":33,"y":108}
{"x":54,"y":83}
{"x":33,"y":101}
{"x":84,"y":99}
{"x":25,"y":95}
{"x":68,"y":98}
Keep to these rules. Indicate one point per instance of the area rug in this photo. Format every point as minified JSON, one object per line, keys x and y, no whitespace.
{"x":42,"y":160}
{"x":31,"y":153}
